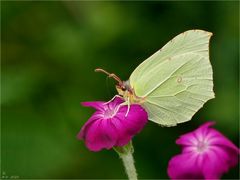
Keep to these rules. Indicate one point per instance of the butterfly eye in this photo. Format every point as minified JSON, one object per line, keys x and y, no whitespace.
{"x":123,"y":88}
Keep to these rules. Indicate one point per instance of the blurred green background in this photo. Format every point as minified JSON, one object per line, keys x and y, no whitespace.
{"x":49,"y":51}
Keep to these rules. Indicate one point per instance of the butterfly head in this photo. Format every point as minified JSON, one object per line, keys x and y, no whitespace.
{"x":124,"y":88}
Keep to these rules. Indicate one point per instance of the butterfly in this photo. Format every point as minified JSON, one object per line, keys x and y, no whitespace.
{"x":173,"y":83}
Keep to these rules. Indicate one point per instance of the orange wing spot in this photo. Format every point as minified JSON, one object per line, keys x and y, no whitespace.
{"x":179,"y":79}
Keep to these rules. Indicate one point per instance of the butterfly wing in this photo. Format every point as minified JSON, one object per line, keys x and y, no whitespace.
{"x":177,"y":80}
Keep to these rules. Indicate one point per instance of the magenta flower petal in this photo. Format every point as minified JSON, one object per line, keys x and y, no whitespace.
{"x":206,"y":153}
{"x":128,"y":126}
{"x":98,"y":105}
{"x":110,"y":125}
{"x":82,"y":133}
{"x":184,"y":166}
{"x":100,"y":135}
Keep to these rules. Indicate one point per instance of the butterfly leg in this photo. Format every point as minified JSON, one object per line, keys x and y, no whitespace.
{"x":128,"y":104}
{"x":118,"y":107}
{"x":113,"y":99}
{"x":124,"y":104}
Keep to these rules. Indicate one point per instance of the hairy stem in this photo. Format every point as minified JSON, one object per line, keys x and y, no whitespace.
{"x":126,"y":154}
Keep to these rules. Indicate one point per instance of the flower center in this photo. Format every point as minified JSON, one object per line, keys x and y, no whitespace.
{"x":109,"y":113}
{"x":202,"y":146}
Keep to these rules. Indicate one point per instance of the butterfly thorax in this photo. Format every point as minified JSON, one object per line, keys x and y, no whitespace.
{"x":127,"y":92}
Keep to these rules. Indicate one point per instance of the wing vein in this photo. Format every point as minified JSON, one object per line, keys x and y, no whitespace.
{"x":165,"y":109}
{"x":159,"y":84}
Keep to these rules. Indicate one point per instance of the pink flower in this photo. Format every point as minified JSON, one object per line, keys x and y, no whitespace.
{"x":110,"y":126}
{"x":206,"y":154}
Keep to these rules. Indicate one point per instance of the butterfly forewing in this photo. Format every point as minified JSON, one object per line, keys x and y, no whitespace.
{"x":177,"y":80}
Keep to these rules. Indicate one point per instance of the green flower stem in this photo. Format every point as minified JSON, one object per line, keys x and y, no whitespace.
{"x":126,"y":154}
{"x":128,"y":162}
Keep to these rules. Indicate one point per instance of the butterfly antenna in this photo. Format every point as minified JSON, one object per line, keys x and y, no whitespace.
{"x":114,"y":76}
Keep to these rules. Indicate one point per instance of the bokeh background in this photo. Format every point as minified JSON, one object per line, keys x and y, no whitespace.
{"x":49,"y":53}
